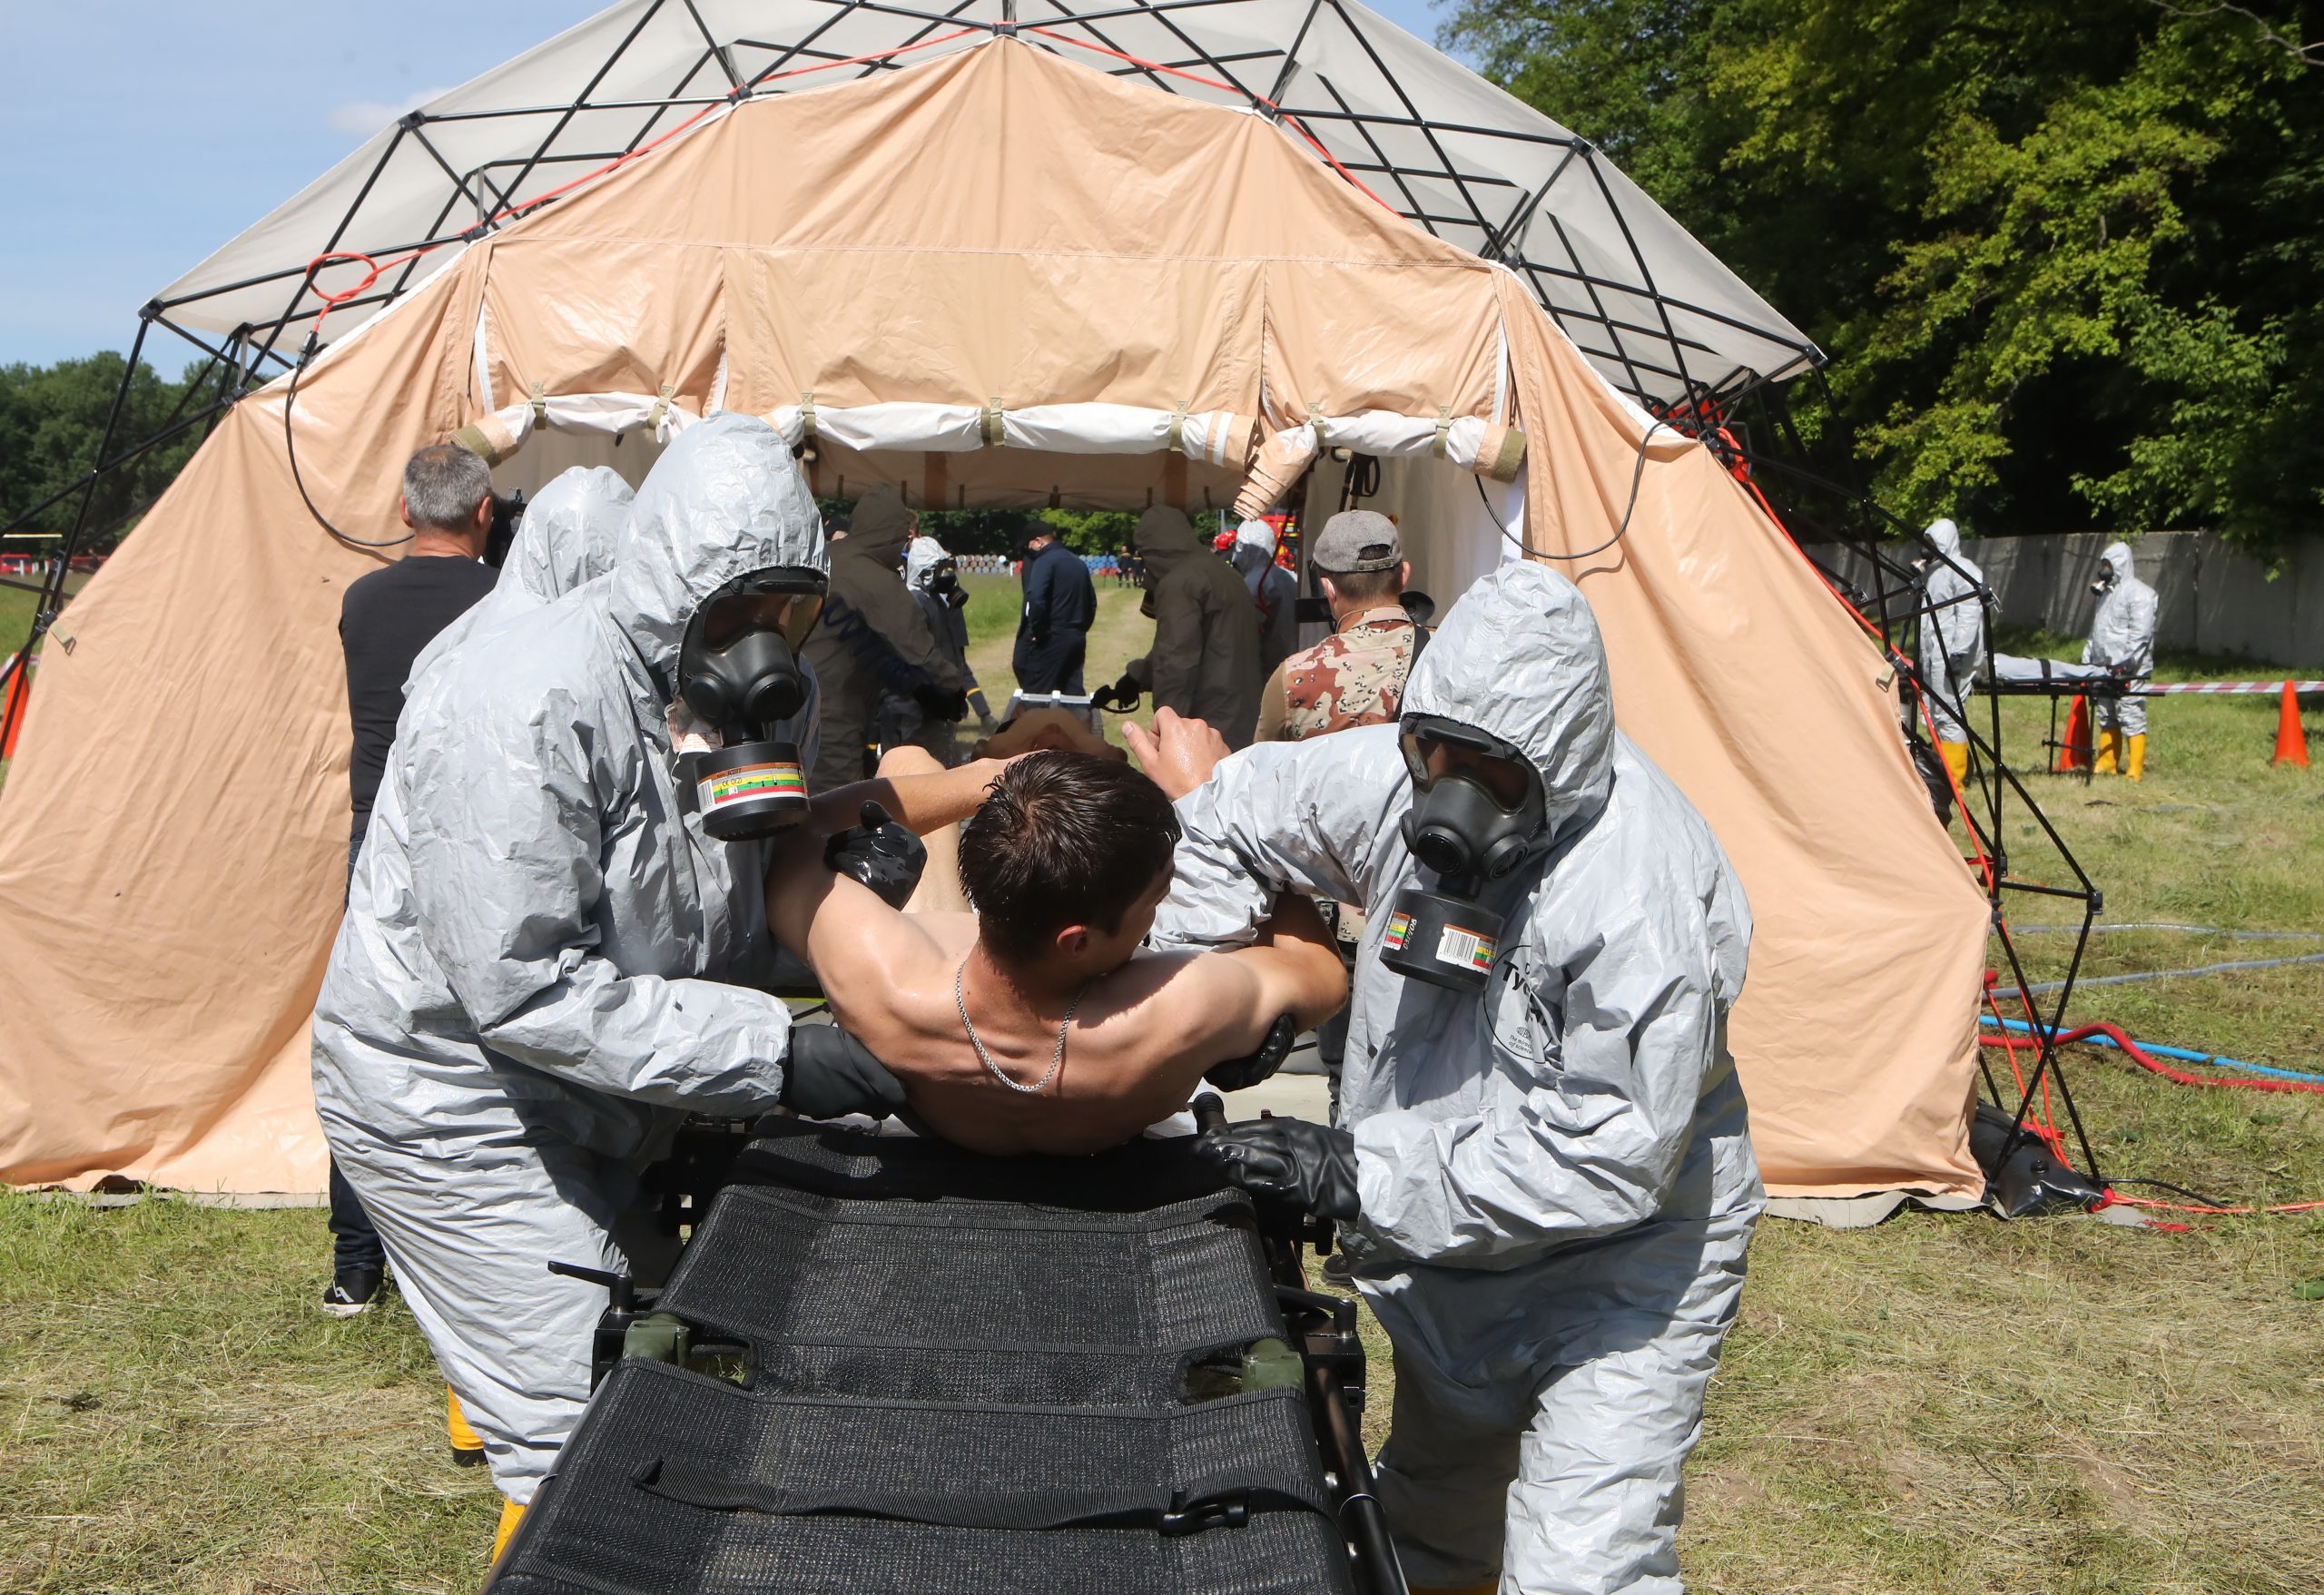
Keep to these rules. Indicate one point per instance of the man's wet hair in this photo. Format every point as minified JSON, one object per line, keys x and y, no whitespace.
{"x":1062,"y":839}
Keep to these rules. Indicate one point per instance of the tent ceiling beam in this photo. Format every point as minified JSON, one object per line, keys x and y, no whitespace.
{"x":1381,"y":111}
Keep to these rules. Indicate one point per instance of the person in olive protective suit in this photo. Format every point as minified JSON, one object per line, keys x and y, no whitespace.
{"x":1541,"y":1164}
{"x":547,"y":959}
{"x":1205,"y":662}
{"x":873,"y":640}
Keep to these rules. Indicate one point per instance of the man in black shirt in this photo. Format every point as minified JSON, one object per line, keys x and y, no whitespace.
{"x":384,"y":621}
{"x":1060,"y":604}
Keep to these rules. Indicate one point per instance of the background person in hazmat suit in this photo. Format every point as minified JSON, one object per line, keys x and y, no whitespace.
{"x":566,"y":538}
{"x":933,"y":580}
{"x":1952,"y":645}
{"x":1275,"y":593}
{"x":873,"y":641}
{"x":2122,"y":638}
{"x":1545,"y":1180}
{"x":545,"y":960}
{"x":1204,"y":662}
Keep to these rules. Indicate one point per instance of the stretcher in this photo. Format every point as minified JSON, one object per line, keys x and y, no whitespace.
{"x":885,"y":1364}
{"x":2011,"y":676}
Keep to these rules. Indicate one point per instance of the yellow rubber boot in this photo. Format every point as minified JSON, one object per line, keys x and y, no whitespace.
{"x":2135,"y":762}
{"x":2110,"y":747}
{"x":511,"y":1514}
{"x":1955,"y":755}
{"x":468,"y":1445}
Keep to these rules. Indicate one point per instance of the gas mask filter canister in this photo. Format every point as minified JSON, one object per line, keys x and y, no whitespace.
{"x":738,"y":670}
{"x":1478,"y":815}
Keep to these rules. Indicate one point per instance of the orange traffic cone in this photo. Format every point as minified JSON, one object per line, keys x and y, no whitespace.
{"x":2291,"y":741}
{"x":2074,"y":755}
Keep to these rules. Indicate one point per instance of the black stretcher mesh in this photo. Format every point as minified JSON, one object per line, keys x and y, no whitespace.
{"x":961,"y":1367}
{"x":773,"y":1266}
{"x":643,"y":1499}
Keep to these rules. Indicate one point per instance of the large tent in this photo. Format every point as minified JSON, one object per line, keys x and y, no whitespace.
{"x":981,"y":258}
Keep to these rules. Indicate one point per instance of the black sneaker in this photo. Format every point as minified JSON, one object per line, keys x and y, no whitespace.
{"x":1335,"y":1271}
{"x":352,"y":1291}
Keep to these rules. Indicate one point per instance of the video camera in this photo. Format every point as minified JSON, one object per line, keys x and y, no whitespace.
{"x":508,"y":514}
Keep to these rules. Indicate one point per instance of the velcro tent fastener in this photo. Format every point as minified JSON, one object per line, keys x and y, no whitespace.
{"x":807,"y":413}
{"x":1502,"y":455}
{"x":1177,"y":436}
{"x":994,"y":433}
{"x":1444,"y":429}
{"x":661,"y":408}
{"x":540,"y":404}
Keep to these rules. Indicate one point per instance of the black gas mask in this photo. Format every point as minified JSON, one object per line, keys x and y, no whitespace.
{"x":2106,"y":581}
{"x":1478,"y":815}
{"x":738,"y":669}
{"x":944,"y":582}
{"x":508,"y":514}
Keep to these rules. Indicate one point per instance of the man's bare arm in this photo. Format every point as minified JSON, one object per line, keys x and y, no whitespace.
{"x":797,"y":882}
{"x":1296,"y":967}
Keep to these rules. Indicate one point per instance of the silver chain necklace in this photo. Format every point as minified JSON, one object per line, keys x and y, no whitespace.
{"x":1056,"y":1058}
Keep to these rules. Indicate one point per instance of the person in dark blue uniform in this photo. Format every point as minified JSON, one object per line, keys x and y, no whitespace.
{"x":1053,"y":628}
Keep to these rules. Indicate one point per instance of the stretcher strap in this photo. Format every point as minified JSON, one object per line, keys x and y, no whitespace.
{"x":1224,"y":1500}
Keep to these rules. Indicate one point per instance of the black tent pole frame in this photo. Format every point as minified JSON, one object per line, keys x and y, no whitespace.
{"x":1896,"y":600}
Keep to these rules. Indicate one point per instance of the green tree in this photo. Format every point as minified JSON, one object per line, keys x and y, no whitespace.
{"x":2062,"y":256}
{"x":52,"y":419}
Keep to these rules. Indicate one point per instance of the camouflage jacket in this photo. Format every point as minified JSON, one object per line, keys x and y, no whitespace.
{"x":1353,"y":677}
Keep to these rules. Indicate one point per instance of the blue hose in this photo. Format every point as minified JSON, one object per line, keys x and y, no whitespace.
{"x":2211,"y":1060}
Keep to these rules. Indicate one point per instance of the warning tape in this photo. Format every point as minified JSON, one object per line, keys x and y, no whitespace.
{"x":2272,"y":688}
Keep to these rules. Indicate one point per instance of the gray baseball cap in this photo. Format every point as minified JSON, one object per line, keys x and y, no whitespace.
{"x":1356,"y":540}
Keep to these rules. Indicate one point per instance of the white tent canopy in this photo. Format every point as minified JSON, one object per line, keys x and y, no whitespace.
{"x":1653,"y":310}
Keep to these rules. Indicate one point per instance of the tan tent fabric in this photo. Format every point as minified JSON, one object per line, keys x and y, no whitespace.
{"x":994,"y":223}
{"x":1735,"y":670}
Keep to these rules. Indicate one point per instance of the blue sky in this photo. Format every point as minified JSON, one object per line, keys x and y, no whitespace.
{"x":149,"y":132}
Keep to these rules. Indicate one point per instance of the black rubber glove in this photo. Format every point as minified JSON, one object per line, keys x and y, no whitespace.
{"x":1121,"y":696}
{"x":1308,"y":1164}
{"x":828,"y":1074}
{"x":879,"y":853}
{"x":1235,"y":1073}
{"x":941,"y":702}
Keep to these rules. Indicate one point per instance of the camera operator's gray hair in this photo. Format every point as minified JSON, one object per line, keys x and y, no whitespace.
{"x":443,"y":485}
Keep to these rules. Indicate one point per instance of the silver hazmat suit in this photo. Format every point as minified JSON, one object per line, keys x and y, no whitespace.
{"x":544,"y":960}
{"x":567,"y":538}
{"x":1557,"y":1183}
{"x":872,"y":638}
{"x":2122,"y":638}
{"x":1205,"y":657}
{"x":1952,"y":647}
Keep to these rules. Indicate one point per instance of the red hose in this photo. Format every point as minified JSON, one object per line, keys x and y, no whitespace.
{"x":2139,"y":1055}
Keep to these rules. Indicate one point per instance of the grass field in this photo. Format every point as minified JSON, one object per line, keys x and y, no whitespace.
{"x":1942,"y":1405}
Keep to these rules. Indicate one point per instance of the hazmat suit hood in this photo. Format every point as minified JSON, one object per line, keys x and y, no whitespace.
{"x":566,"y":540}
{"x":1253,"y":552}
{"x":724,"y":500}
{"x":1165,"y":534}
{"x":1519,"y":657}
{"x":2118,"y":564}
{"x":881,"y":529}
{"x":921,"y":562}
{"x":1945,"y":537}
{"x":569,"y":532}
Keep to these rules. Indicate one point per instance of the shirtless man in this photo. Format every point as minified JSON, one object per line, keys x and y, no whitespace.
{"x":1037,"y":1024}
